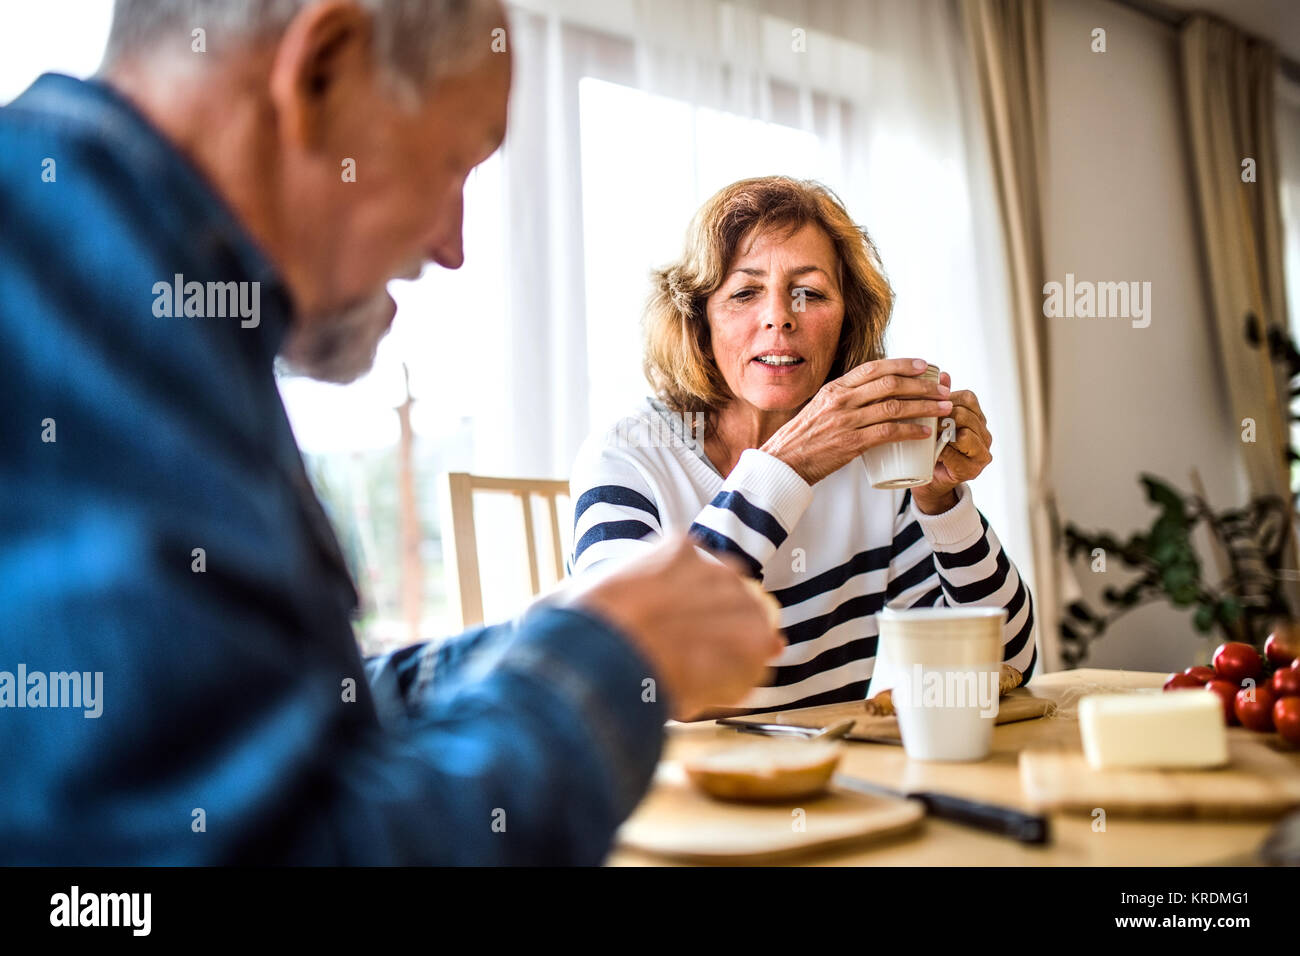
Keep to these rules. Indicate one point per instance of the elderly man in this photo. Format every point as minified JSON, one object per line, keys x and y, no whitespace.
{"x":182,"y":681}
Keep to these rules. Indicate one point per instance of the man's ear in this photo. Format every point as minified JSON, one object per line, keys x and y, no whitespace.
{"x":323,"y":56}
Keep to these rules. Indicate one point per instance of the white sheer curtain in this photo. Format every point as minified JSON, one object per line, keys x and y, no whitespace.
{"x":881,"y":87}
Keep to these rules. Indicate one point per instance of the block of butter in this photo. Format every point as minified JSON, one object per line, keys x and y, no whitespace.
{"x":1180,"y":728}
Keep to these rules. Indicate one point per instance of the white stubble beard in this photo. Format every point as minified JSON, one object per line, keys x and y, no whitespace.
{"x":341,"y":347}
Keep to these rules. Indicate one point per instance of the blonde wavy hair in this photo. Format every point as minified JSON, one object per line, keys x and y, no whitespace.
{"x":675,"y":325}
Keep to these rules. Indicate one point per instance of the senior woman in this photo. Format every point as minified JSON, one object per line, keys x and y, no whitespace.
{"x":763,"y":344}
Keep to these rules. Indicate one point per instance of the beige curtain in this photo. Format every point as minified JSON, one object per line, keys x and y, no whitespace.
{"x":1005,"y":40}
{"x":1228,"y":87}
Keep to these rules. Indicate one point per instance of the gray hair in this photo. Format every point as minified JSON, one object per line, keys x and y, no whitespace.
{"x":418,"y":41}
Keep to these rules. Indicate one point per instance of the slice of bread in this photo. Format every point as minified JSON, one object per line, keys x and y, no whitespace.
{"x":765,"y":770}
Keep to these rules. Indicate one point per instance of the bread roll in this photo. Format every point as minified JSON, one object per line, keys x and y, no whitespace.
{"x":767,"y":770}
{"x":882,"y":705}
{"x":1009,"y":680}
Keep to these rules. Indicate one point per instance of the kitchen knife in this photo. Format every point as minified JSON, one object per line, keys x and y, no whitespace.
{"x":1005,"y":821}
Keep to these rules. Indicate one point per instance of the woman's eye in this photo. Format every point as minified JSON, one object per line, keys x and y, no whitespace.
{"x":742,"y":295}
{"x":808,"y":293}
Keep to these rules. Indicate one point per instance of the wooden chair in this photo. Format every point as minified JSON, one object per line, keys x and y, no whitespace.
{"x":460,"y":542}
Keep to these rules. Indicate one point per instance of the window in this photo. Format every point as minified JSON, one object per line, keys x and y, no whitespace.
{"x":648,"y":163}
{"x":54,"y":36}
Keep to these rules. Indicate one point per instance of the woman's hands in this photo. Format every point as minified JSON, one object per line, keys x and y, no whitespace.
{"x":962,"y":458}
{"x":862,"y":409}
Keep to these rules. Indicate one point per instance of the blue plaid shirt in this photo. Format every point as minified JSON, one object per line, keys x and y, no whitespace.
{"x":238,"y":723}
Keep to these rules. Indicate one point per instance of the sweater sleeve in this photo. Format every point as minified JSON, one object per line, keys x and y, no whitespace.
{"x":954,"y":559}
{"x":618,"y":512}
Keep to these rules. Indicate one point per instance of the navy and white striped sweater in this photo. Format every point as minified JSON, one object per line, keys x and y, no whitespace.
{"x":832,"y":554}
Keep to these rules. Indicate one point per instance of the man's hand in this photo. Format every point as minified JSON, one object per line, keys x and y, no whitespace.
{"x":703,"y":631}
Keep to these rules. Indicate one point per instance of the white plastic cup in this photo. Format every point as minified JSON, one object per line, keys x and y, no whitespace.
{"x":944,"y":666}
{"x":905,"y":464}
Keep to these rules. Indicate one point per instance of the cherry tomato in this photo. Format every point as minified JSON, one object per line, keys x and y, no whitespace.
{"x":1283,"y":645}
{"x":1178,"y":681}
{"x":1202,"y":674}
{"x":1255,"y":707}
{"x":1286,"y":716}
{"x":1227,"y":692}
{"x":1285,"y":682}
{"x":1236,"y":662}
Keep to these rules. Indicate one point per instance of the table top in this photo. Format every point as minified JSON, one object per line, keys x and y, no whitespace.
{"x":1126,"y":841}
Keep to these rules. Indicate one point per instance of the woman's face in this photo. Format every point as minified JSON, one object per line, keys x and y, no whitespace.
{"x":775,"y":320}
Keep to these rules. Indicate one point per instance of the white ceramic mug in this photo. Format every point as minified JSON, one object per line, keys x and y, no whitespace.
{"x":905,"y":464}
{"x":943,"y":664}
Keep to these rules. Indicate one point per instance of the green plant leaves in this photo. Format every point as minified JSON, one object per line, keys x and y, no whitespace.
{"x":1229,"y":610}
{"x":1253,"y":538}
{"x":1165,"y":497}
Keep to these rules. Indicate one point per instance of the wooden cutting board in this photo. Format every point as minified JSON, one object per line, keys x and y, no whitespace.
{"x":1261,"y":779}
{"x":1019,"y":704}
{"x":678,"y":822}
